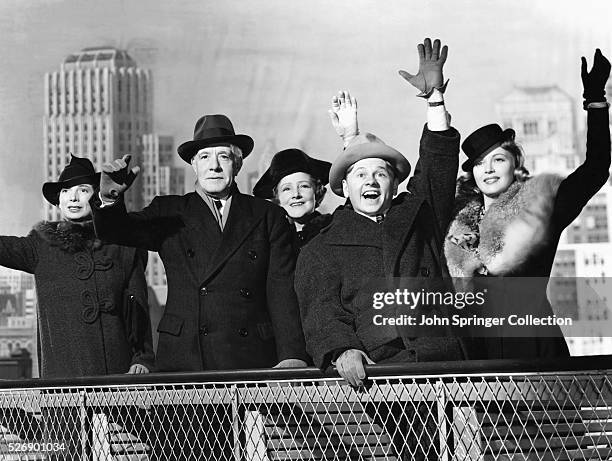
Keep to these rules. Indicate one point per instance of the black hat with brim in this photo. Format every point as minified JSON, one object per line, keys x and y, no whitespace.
{"x":78,"y":171}
{"x":214,"y":130}
{"x":482,"y":141}
{"x":287,"y":162}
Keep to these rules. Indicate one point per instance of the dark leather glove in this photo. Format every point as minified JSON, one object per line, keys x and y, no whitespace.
{"x":594,"y":82}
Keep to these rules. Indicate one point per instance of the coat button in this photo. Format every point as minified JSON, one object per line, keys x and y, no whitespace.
{"x":245,"y":293}
{"x":252,"y":254}
{"x":243,"y":332}
{"x":203,"y":291}
{"x":204,"y":330}
{"x":425,"y":271}
{"x":190,"y":253}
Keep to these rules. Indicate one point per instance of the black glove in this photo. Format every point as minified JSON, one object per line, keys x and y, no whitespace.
{"x":594,"y":82}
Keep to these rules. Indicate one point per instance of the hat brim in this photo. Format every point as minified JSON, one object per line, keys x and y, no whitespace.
{"x":188,"y":149}
{"x":507,"y":135}
{"x":368,"y":150}
{"x":318,"y":169}
{"x":51,"y":190}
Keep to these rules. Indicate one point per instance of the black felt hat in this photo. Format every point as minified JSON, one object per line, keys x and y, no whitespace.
{"x":482,"y":141}
{"x":287,"y":162}
{"x":214,"y":130}
{"x":78,"y":171}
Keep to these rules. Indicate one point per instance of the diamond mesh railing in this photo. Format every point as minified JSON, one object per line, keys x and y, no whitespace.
{"x":473,"y":410}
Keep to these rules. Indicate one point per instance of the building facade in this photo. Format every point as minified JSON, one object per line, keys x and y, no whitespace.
{"x":98,"y":105}
{"x":159,"y":176}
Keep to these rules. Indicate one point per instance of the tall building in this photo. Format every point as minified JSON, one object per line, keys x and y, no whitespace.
{"x":98,"y":105}
{"x":545,"y":125}
{"x":159,"y":177}
{"x":543,"y":118}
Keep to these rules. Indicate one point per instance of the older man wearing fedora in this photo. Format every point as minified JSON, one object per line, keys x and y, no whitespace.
{"x":377,"y":236}
{"x":229,"y":261}
{"x":228,"y":258}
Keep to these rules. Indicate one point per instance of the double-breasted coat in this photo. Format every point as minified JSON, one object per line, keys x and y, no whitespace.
{"x":335,"y":266}
{"x":92,"y":300}
{"x":231,"y":302}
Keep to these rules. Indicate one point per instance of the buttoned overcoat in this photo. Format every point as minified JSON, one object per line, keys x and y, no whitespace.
{"x":354,"y":251}
{"x":231,"y":302}
{"x":93,"y":315}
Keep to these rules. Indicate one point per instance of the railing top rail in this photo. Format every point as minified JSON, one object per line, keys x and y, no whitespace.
{"x":421,"y":369}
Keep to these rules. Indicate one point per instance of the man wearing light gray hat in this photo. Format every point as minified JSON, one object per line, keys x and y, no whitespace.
{"x":376,"y":236}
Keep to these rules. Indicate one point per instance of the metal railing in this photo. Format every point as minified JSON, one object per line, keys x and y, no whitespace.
{"x":473,"y":410}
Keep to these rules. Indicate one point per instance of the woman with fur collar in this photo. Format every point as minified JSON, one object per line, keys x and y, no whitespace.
{"x":92,"y":298}
{"x":508,"y":223}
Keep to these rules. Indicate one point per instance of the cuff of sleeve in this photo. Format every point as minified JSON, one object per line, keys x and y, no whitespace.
{"x":105,"y":203}
{"x":440,"y":143}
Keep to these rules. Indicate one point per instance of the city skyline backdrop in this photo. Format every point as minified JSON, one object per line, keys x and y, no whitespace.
{"x":273,"y":67}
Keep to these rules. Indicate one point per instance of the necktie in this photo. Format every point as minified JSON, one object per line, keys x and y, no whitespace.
{"x":219,"y":215}
{"x":380,"y":218}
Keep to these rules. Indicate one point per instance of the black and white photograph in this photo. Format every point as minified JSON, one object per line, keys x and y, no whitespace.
{"x":353,"y":230}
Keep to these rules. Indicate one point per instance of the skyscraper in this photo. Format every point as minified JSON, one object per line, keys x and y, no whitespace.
{"x":159,"y":177}
{"x":98,"y":105}
{"x":543,"y":118}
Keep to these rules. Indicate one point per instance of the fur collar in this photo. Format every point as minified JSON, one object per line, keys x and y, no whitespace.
{"x":69,"y":236}
{"x":513,"y":228}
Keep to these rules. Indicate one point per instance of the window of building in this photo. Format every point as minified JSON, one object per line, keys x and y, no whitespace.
{"x":530,"y":128}
{"x":552,"y":126}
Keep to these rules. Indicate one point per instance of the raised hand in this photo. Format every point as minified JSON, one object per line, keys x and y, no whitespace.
{"x":117,"y":177}
{"x":343,"y":115}
{"x":431,"y":63}
{"x":594,"y":82}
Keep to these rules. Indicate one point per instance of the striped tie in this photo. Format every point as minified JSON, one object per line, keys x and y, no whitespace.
{"x":219,"y":216}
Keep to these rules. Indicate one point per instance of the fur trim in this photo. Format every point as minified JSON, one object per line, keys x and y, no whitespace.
{"x":514,"y":227}
{"x":69,"y":236}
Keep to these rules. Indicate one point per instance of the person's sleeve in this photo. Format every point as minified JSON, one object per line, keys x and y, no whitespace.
{"x":145,"y":229}
{"x":19,"y":253}
{"x":435,"y":173}
{"x":136,"y":314}
{"x":577,"y":189}
{"x":329,"y":328}
{"x":282,"y":301}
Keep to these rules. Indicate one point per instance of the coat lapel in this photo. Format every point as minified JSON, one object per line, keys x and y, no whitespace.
{"x":240,"y":222}
{"x":203,"y":232}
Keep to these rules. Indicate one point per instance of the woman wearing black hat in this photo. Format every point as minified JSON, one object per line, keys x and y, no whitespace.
{"x":296,"y":182}
{"x":509,"y":224}
{"x":92,"y":298}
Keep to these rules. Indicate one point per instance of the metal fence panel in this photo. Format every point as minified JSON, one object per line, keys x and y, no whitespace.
{"x":530,"y":416}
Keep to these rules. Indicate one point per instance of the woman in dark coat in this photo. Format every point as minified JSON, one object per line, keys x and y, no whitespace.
{"x":92,"y":298}
{"x":509,"y":224}
{"x":297,"y":182}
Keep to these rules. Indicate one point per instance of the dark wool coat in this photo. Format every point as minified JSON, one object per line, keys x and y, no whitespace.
{"x":311,"y":229}
{"x":335,"y":265}
{"x":92,"y":300}
{"x":520,"y":232}
{"x":230,"y":302}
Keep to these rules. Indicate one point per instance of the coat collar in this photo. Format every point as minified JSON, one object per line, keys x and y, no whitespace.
{"x":241,"y":221}
{"x":70,"y":237}
{"x":349,"y":228}
{"x":513,"y":228}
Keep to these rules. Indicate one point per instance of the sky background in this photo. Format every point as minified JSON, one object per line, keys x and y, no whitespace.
{"x":273,"y":65}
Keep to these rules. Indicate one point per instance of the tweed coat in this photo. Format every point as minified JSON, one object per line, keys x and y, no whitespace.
{"x":543,"y":206}
{"x":231,"y":302}
{"x":92,"y":300}
{"x":334,"y":266}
